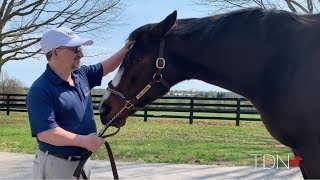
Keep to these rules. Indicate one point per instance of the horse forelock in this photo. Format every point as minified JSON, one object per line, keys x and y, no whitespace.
{"x":139,"y":31}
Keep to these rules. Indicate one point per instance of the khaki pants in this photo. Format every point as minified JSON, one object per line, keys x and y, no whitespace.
{"x":46,"y":166}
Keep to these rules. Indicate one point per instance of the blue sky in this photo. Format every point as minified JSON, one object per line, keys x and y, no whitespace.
{"x":137,"y":14}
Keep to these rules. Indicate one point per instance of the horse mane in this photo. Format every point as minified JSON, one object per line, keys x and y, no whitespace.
{"x":211,"y":25}
{"x":216,"y":23}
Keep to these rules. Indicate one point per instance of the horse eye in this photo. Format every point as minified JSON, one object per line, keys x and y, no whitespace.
{"x":132,"y":57}
{"x":137,"y":60}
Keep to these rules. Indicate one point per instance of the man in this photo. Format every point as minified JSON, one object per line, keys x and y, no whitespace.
{"x":59,"y":104}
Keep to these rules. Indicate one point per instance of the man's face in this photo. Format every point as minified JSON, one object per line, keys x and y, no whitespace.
{"x":71,"y":56}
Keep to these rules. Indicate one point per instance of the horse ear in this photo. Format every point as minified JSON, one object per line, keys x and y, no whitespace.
{"x":164,"y":26}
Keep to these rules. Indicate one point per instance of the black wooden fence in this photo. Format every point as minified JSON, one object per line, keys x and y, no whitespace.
{"x":192,"y":108}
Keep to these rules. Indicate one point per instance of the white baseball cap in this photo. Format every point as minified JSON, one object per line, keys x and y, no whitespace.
{"x":61,"y":36}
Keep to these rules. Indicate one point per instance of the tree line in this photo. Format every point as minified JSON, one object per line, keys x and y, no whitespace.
{"x":9,"y":85}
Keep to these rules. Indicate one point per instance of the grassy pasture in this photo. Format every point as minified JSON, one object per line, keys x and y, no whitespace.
{"x":166,"y":140}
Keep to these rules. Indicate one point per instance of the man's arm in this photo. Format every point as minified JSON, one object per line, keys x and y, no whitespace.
{"x":115,"y":60}
{"x":60,"y":137}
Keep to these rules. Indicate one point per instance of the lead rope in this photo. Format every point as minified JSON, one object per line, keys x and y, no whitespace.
{"x":86,"y":154}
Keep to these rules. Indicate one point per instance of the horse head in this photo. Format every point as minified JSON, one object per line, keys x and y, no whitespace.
{"x":143,"y":75}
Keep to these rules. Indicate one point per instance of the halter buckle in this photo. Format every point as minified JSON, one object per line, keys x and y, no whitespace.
{"x":128,"y":105}
{"x":161,"y":64}
{"x":157,"y":77}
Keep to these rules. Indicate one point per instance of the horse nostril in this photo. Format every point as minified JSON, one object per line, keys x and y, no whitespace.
{"x":104,"y":109}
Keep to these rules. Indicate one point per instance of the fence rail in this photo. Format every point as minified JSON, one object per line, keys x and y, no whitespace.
{"x":238,"y":109}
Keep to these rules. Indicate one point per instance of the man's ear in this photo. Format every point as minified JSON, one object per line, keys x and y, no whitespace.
{"x":54,"y":52}
{"x":165,"y":25}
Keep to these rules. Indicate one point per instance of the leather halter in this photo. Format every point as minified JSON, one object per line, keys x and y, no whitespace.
{"x":157,"y":78}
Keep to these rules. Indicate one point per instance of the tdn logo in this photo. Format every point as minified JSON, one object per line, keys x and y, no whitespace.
{"x":275,"y":161}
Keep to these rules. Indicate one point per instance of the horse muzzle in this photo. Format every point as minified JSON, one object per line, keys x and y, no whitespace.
{"x":104,"y":111}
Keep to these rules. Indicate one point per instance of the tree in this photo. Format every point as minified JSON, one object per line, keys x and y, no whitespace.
{"x":306,"y":6}
{"x":10,"y":85}
{"x":23,"y":21}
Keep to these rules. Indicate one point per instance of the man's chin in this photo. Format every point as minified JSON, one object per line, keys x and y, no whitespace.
{"x":76,"y":66}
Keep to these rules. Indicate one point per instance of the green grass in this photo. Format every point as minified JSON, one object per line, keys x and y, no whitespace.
{"x":15,"y":134}
{"x":166,"y":140}
{"x":186,"y":114}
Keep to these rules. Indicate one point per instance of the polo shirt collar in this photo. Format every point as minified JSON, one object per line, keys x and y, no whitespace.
{"x":53,"y":77}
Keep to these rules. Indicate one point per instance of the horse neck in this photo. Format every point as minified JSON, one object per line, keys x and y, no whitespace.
{"x":215,"y":65}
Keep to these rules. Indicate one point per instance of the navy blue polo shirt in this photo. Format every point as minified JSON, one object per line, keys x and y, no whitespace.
{"x":52,"y":102}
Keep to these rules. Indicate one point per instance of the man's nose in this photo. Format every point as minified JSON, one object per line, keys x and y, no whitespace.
{"x":80,"y":54}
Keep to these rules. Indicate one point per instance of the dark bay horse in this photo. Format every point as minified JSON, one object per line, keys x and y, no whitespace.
{"x":271,"y":57}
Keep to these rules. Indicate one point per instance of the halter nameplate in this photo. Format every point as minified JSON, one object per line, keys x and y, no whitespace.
{"x":143,"y":91}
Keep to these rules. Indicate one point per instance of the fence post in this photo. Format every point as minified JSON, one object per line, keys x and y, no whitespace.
{"x":8,"y":104}
{"x":145,"y":115}
{"x":238,"y":112}
{"x":191,"y":110}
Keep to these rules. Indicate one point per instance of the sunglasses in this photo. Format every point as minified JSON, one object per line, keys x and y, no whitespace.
{"x":76,"y":49}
